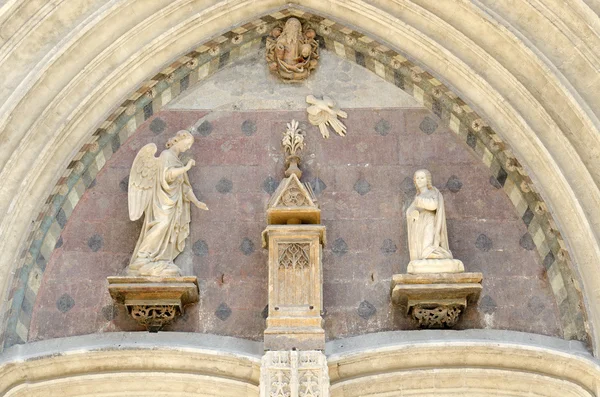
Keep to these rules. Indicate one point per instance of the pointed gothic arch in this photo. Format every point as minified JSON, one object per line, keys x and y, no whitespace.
{"x":550,"y":145}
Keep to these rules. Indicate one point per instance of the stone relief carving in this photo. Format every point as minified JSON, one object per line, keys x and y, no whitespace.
{"x":324,"y":113}
{"x":159,"y":188}
{"x":292,"y":51}
{"x":427,"y":232}
{"x":294,"y":197}
{"x":294,"y":255}
{"x":309,"y":384}
{"x":437,"y":316}
{"x":154,"y":302}
{"x":154,"y":317}
{"x":294,"y":373}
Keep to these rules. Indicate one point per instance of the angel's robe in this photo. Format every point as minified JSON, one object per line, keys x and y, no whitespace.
{"x":427,"y":234}
{"x":166,"y":222}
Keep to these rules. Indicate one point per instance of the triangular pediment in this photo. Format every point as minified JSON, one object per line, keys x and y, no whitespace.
{"x":292,"y":193}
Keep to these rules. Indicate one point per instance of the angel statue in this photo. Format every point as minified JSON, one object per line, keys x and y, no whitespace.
{"x":159,"y":188}
{"x":292,"y":51}
{"x":323,"y":112}
{"x":427,"y":232}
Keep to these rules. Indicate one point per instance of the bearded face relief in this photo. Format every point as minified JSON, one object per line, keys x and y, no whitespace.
{"x":292,"y":51}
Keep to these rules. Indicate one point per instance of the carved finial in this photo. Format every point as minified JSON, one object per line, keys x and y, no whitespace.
{"x":293,"y":143}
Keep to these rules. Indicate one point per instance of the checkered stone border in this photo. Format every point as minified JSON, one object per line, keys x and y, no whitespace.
{"x":210,"y":57}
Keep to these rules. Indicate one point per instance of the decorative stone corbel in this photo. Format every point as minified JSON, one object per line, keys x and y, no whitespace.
{"x":154,"y":302}
{"x":436,"y":300}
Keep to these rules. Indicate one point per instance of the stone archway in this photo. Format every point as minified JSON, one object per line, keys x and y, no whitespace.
{"x":534,"y":150}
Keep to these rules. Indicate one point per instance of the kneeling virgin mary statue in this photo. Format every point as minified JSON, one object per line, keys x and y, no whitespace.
{"x":160,"y":189}
{"x":427,"y":232}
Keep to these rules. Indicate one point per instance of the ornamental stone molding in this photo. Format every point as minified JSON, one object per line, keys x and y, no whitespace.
{"x":416,"y":363}
{"x":436,"y":300}
{"x":294,"y":374}
{"x":530,"y":82}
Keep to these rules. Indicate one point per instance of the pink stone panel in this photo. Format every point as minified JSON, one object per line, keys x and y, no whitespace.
{"x":364,"y":187}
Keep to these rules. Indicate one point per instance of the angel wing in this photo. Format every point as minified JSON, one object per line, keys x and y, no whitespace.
{"x":142,"y":180}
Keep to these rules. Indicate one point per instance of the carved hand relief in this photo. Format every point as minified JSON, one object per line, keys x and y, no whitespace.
{"x":427,"y":232}
{"x":324,"y":113}
{"x":292,"y":51}
{"x":160,"y":190}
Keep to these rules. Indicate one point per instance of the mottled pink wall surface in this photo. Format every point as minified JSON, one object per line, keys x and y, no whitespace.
{"x":363,"y":183}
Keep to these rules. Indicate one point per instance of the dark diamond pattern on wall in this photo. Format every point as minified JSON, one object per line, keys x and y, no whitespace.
{"x":224,"y":186}
{"x":362,"y":187}
{"x":339,"y":246}
{"x":200,"y":248}
{"x":362,"y":206}
{"x":157,"y":125}
{"x":223,"y":312}
{"x":247,"y":246}
{"x":484,"y":243}
{"x":366,"y":310}
{"x":95,"y":242}
{"x":270,"y":185}
{"x":65,"y":303}
{"x":428,"y":125}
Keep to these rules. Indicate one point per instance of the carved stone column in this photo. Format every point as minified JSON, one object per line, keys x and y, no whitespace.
{"x":295,"y":287}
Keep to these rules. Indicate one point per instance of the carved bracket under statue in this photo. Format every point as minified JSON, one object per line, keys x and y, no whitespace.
{"x":436,"y":289}
{"x":436,"y":300}
{"x":154,"y":302}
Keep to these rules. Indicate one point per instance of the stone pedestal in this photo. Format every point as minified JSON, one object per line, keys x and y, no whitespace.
{"x":423,"y":266}
{"x":295,"y":287}
{"x":436,"y":300}
{"x":154,"y":302}
{"x":294,"y":374}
